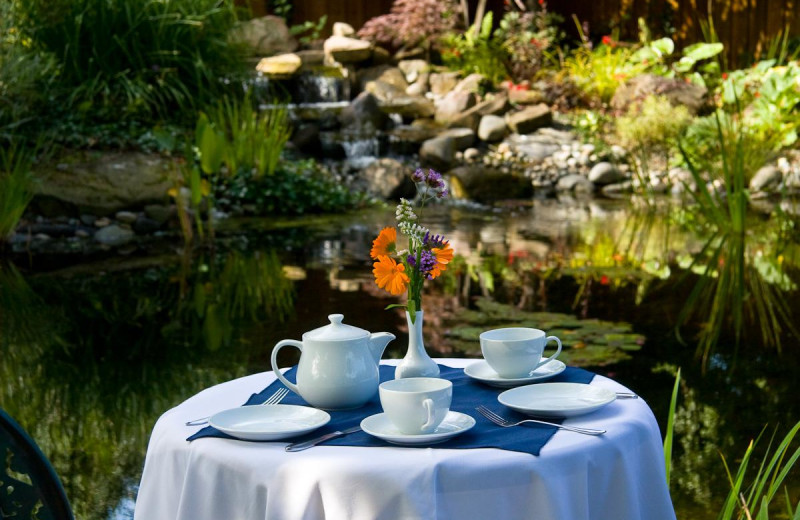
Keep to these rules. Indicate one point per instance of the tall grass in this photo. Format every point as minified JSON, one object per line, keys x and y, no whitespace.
{"x":730,"y":286}
{"x":16,"y":186}
{"x":135,"y":56}
{"x":253,"y":139}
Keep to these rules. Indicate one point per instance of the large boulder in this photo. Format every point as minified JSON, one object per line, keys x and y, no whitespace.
{"x":453,"y":104}
{"x":104,"y":183}
{"x":341,"y":49}
{"x":385,"y":74}
{"x":471,"y":83}
{"x":413,"y":68}
{"x":767,"y":178}
{"x":485,"y":184}
{"x":443,"y":82}
{"x":677,"y":91}
{"x":388,"y":179}
{"x":264,"y":36}
{"x":364,"y":111}
{"x":343,"y":29}
{"x":604,"y":173}
{"x":529,"y":119}
{"x":281,"y":65}
{"x":471,"y":118}
{"x":438,"y":153}
{"x":492,"y":128}
{"x":462,"y":138}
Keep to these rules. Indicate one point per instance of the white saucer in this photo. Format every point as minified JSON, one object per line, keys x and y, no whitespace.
{"x":557,"y":399}
{"x":269,"y":422}
{"x":482,"y":372}
{"x":380,"y":426}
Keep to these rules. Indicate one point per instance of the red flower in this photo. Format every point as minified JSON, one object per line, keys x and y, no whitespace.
{"x":757,"y":94}
{"x":724,"y":75}
{"x":604,"y":280}
{"x":541,"y":2}
{"x":607,"y":40}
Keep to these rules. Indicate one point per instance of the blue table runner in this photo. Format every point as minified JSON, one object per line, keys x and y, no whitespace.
{"x":467,"y":394}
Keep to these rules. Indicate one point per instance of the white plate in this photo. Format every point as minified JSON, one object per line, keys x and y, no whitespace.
{"x":380,"y":426}
{"x":481,"y":371}
{"x":268,"y":422}
{"x":557,"y":399}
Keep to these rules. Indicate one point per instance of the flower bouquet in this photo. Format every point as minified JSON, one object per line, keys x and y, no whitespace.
{"x":398,"y":271}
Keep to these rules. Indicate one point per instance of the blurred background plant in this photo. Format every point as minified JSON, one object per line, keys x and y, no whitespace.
{"x":412,"y":23}
{"x":139,"y":59}
{"x":16,"y":185}
{"x":476,"y":51}
{"x":527,"y":38}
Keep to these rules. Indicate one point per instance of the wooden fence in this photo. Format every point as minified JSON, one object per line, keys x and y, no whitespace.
{"x":744,"y":26}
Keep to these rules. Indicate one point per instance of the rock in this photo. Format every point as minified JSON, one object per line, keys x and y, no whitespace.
{"x":443,"y":82}
{"x":102,"y":222}
{"x":159,"y":212}
{"x":312,"y":58}
{"x":492,"y":128}
{"x":462,"y":138}
{"x":471,"y":83}
{"x":106,"y":182}
{"x":416,"y":53}
{"x":342,"y":49}
{"x":529,"y":119}
{"x":389,"y":179}
{"x":453,"y":104}
{"x":386,"y":74}
{"x":88,"y":219}
{"x":438,"y":153}
{"x":486,"y":184}
{"x":114,"y":235}
{"x":766,"y":178}
{"x":126,"y":217}
{"x":471,"y":154}
{"x":264,"y":36}
{"x":617,"y":189}
{"x":364,"y":111}
{"x":380,"y":56}
{"x":574,"y":182}
{"x":306,"y":138}
{"x":146,"y":226}
{"x":677,"y":91}
{"x":604,"y":173}
{"x":409,"y":106}
{"x":281,"y":65}
{"x":412,"y":69}
{"x":525,"y":97}
{"x":535,"y":150}
{"x":420,"y":86}
{"x":471,"y":118}
{"x":343,"y":29}
{"x":792,"y":181}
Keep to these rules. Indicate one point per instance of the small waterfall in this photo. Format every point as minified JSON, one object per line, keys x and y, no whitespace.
{"x":321,"y":87}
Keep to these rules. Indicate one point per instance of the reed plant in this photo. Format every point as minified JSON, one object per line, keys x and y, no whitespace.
{"x":253,"y":139}
{"x":144,"y":57}
{"x":16,"y":185}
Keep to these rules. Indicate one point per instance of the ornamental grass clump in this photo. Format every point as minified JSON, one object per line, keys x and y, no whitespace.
{"x":426,"y":256}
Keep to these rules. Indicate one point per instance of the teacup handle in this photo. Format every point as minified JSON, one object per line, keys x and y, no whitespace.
{"x":551,"y":358}
{"x":292,"y":343}
{"x":428,"y":405}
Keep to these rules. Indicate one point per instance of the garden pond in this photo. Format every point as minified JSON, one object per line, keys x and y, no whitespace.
{"x":95,"y":348}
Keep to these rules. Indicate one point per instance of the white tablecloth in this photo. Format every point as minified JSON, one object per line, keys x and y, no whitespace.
{"x":616,"y":476}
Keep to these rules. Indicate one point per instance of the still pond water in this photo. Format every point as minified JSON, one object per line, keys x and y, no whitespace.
{"x":95,"y":349}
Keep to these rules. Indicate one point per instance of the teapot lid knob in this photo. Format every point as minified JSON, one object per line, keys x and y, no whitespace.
{"x":336,"y":319}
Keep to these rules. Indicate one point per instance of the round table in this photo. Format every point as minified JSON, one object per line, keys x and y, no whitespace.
{"x":616,"y":476}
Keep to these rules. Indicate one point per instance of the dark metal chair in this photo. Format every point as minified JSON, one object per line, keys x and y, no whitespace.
{"x":29,"y":487}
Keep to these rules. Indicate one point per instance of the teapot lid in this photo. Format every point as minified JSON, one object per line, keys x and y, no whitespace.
{"x":335,"y":331}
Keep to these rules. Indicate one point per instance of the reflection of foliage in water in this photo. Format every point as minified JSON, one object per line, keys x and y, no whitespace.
{"x":90,"y":384}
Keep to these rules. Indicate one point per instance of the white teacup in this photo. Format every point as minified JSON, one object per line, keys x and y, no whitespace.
{"x":416,"y":405}
{"x":516,"y":352}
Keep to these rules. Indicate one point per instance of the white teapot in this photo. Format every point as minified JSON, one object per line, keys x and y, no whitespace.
{"x":338,"y":366}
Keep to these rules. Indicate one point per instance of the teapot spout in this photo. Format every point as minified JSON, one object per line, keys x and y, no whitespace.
{"x":377,"y":344}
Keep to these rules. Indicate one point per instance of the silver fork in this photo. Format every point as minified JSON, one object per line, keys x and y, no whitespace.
{"x":275,"y":398}
{"x":505,"y":423}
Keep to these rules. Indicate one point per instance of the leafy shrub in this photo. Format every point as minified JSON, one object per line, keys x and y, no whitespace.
{"x":119,"y":58}
{"x":297,"y":187}
{"x":16,"y":186}
{"x":476,"y":51}
{"x":526,"y":38}
{"x":412,"y":23}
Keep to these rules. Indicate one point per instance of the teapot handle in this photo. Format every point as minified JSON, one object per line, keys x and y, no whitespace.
{"x":290,"y":342}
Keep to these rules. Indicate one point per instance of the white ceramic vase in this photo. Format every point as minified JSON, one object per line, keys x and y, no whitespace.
{"x":417,"y":362}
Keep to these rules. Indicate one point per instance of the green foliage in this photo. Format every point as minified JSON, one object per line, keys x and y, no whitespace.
{"x":309,"y":31}
{"x":651,"y":129}
{"x":599,"y":71}
{"x":123,"y":58}
{"x":16,"y":186}
{"x":668,"y":436}
{"x":296,"y":187}
{"x":244,"y":138}
{"x":526,"y":39}
{"x":475,"y":50}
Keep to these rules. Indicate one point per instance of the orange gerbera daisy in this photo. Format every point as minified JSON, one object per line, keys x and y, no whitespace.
{"x":385,"y":244}
{"x":443,"y":257}
{"x":389,"y":275}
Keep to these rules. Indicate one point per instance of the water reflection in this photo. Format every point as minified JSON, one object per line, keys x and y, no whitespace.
{"x":92,"y":356}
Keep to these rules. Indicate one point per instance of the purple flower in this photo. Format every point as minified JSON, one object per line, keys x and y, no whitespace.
{"x":434,"y":241}
{"x":434,"y":180}
{"x":418,"y":175}
{"x":443,"y":193}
